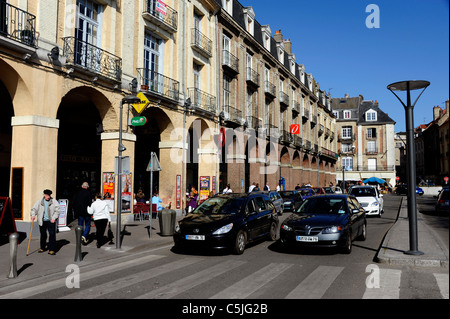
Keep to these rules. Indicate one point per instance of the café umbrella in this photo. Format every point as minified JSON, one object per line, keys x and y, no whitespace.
{"x":374,"y":180}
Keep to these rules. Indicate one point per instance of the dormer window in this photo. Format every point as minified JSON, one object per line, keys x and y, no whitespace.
{"x":280,"y":51}
{"x":249,"y":16}
{"x":266,"y":35}
{"x":371,"y":116}
{"x":228,"y":6}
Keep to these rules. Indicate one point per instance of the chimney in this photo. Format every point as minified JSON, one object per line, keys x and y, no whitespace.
{"x":288,"y":46}
{"x":278,"y":36}
{"x":436,"y":112}
{"x":346,"y":95}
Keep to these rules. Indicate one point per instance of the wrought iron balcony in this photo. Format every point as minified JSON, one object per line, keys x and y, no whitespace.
{"x":252,"y":77}
{"x":305,"y":113}
{"x":286,"y":137}
{"x":365,"y":168}
{"x":201,"y":43}
{"x":272,"y":131}
{"x":270,"y":89}
{"x":231,"y":115}
{"x":202,"y":100}
{"x":88,"y":57}
{"x":372,"y":151}
{"x":321,"y":129}
{"x":230,"y":61}
{"x":308,"y":145}
{"x":254,"y":122}
{"x":154,"y":82}
{"x":18,"y":25}
{"x":296,"y":107}
{"x":160,"y":15}
{"x":284,"y":98}
{"x":298,"y":141}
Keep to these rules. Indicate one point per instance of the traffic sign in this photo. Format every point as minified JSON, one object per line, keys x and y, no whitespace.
{"x":446,"y":179}
{"x":295,"y":129}
{"x":153,"y":165}
{"x":139,"y":107}
{"x":397,"y":178}
{"x":139,"y":121}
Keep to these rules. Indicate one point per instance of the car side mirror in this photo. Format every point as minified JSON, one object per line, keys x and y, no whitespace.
{"x":355,"y":211}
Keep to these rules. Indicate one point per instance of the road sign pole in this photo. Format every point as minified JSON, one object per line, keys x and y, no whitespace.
{"x":151,"y":193}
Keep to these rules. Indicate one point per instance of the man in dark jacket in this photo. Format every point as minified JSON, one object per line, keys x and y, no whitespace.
{"x":81,"y":201}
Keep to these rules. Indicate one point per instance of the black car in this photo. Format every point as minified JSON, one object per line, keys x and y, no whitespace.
{"x":228,"y":221}
{"x":292,"y":200}
{"x":326,"y":221}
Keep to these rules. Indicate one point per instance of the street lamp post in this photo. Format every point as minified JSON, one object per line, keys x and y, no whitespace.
{"x":408,"y":86}
{"x":130,"y":99}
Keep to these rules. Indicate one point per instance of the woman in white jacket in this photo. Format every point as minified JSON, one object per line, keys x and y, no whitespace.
{"x":100,"y":211}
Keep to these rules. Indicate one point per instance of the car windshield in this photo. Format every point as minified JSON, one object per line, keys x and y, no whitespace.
{"x":305,"y":191}
{"x":322,"y":205}
{"x":220,"y":206}
{"x":286,"y":194}
{"x":328,"y":190}
{"x":363,"y":191}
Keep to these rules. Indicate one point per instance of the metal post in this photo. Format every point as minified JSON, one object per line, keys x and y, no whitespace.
{"x":78,"y":253}
{"x":13,"y":242}
{"x":411,"y":177}
{"x":119,"y":182}
{"x":411,"y":164}
{"x":151,"y":193}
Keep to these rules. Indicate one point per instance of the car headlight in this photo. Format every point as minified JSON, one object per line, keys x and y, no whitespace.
{"x":332,"y":230}
{"x":286,"y":227}
{"x":223,"y":230}
{"x":375,"y":204}
{"x":287,"y":203}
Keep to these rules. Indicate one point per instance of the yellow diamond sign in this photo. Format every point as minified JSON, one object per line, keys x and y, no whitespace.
{"x":139,"y":107}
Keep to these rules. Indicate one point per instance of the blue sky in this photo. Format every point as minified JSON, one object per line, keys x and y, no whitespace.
{"x":331,"y":39}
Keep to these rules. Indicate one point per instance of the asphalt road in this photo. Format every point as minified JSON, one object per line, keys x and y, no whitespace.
{"x":264,"y":272}
{"x":439,"y":222}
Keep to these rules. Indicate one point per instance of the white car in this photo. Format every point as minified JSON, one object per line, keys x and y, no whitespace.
{"x":370,"y":199}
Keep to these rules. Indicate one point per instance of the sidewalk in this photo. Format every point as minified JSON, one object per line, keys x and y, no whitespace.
{"x":396,"y":242}
{"x":135,"y":240}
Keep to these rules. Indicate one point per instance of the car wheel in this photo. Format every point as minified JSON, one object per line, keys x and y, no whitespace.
{"x":273,"y":231}
{"x":363,"y":235}
{"x":239,"y":244}
{"x":347,"y":248}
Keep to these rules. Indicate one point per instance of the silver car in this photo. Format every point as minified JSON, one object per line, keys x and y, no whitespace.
{"x":277,"y":201}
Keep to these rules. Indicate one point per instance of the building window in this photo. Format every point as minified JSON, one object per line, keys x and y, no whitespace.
{"x":226,"y":90}
{"x":347,"y":115}
{"x":371,"y":147}
{"x":371,"y":133}
{"x":372,"y":164}
{"x":347,"y":163}
{"x":347,"y":132}
{"x":371,"y":115}
{"x":336,"y":114}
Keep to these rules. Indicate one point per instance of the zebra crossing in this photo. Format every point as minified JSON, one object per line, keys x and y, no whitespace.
{"x":165,"y":277}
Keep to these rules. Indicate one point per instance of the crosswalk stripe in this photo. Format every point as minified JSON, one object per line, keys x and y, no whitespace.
{"x":61,"y":282}
{"x":389,"y":285}
{"x":316,"y":284}
{"x":442,"y":281}
{"x":252,"y":283}
{"x":127,"y":281}
{"x":191,"y":281}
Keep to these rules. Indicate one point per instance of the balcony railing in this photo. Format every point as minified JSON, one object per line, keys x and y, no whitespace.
{"x":296,"y":107}
{"x":232,"y":114}
{"x":305,"y":113}
{"x":154,"y":82}
{"x":286,"y":137}
{"x":17,"y":24}
{"x":298,"y":141}
{"x":201,"y":43}
{"x":366,"y":168}
{"x":90,"y":58}
{"x":252,"y":76}
{"x":272,"y":131}
{"x":164,"y":17}
{"x":270,"y":89}
{"x":284,"y":98}
{"x":254,"y":122}
{"x":230,"y":61}
{"x":202,"y":100}
{"x":371,"y":151}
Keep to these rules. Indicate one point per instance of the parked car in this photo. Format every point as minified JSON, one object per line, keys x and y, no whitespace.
{"x":328,"y":190}
{"x":369,"y":198}
{"x":228,"y":221}
{"x":326,"y":221}
{"x":336,"y":189}
{"x":277,"y":201}
{"x":319,"y":190}
{"x":403,"y":190}
{"x":306,"y":192}
{"x":292,"y":200}
{"x":442,"y":203}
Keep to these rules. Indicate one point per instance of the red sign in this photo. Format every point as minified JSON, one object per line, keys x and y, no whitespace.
{"x":397,"y":178}
{"x":446,"y":179}
{"x":295,"y":129}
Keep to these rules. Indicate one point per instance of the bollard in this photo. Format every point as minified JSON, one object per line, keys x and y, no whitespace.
{"x":13,"y":241}
{"x":78,"y":233}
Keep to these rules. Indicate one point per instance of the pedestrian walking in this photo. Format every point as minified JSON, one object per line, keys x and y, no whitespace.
{"x":100,"y":213}
{"x":46,"y":211}
{"x":81,"y":201}
{"x":193,"y":200}
{"x":227,"y":189}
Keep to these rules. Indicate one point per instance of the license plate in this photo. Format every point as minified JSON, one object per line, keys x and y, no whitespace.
{"x":195,"y":237}
{"x":308,"y":238}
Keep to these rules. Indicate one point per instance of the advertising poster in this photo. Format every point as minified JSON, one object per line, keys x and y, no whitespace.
{"x":126,"y":193}
{"x":109,"y":189}
{"x":204,"y":187}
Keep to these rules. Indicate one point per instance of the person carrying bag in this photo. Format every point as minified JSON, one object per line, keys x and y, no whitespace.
{"x":100,"y":211}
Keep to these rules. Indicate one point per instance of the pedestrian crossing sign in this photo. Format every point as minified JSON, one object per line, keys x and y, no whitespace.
{"x":143,"y":103}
